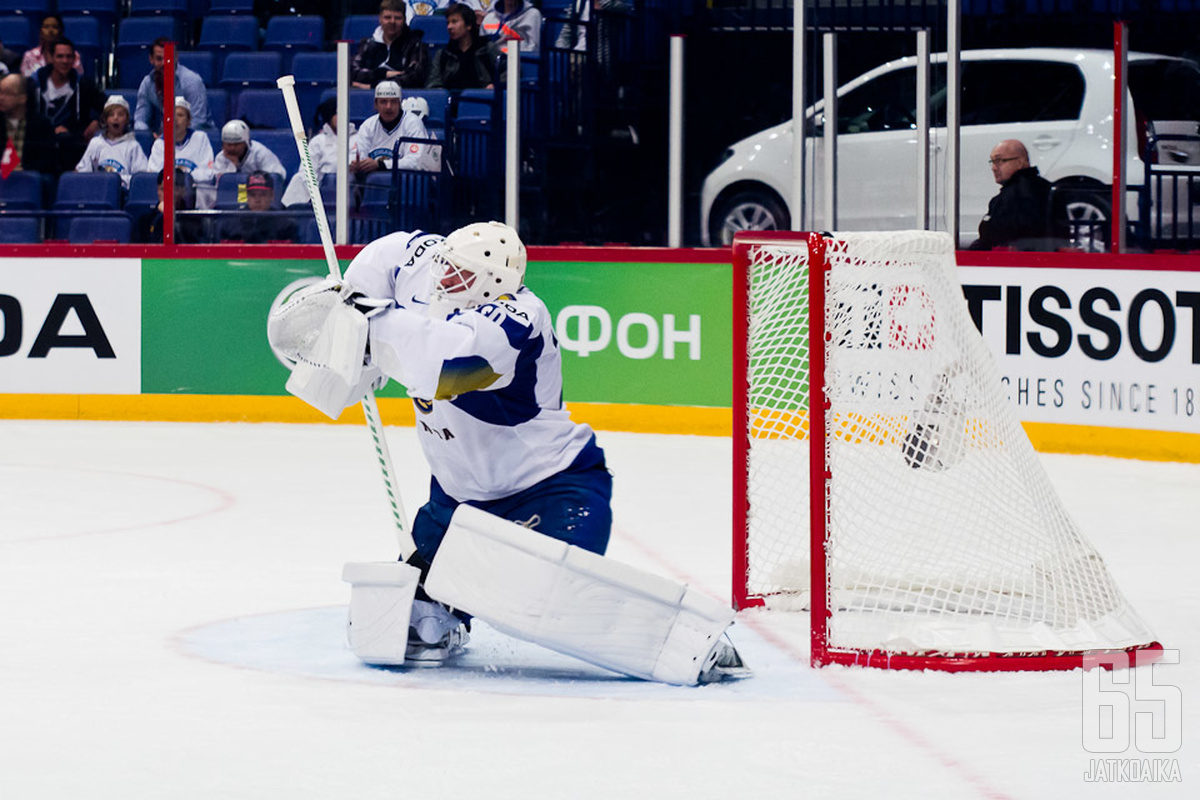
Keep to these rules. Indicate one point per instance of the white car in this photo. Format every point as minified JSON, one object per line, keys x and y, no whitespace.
{"x":1058,"y":102}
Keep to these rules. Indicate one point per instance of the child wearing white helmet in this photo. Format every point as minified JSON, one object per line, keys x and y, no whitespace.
{"x":239,"y":154}
{"x":116,"y":150}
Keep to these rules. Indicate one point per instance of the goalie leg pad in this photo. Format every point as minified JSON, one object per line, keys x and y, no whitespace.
{"x":381,"y":601}
{"x":567,"y":599}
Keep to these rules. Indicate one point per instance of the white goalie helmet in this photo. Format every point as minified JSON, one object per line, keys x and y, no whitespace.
{"x":475,"y":265}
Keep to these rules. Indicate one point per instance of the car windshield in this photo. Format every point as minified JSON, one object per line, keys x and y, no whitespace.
{"x":993,"y":93}
{"x":1165,"y":89}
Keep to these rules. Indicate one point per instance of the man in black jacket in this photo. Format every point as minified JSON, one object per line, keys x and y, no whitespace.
{"x":26,"y":137}
{"x":395,"y":52}
{"x":1018,"y":217}
{"x":72,"y":103}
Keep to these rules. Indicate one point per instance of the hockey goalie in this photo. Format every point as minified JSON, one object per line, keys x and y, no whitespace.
{"x":518,"y":517}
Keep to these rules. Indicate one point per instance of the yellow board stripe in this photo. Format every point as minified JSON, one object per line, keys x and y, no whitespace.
{"x":634,"y":418}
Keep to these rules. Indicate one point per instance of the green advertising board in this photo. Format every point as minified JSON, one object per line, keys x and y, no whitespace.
{"x":630,"y":332}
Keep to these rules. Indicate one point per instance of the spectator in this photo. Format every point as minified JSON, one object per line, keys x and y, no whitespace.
{"x":187,"y":231}
{"x":467,"y":60}
{"x":148,"y":114}
{"x":26,"y":137}
{"x":10,"y":60}
{"x":514,"y":19}
{"x":261,"y":225}
{"x":72,"y":103}
{"x":35,"y":59}
{"x":394,"y":52}
{"x":1019,"y":216}
{"x":116,"y":150}
{"x":238,"y":154}
{"x":322,"y":150}
{"x":379,"y":133}
{"x":193,"y":150}
{"x":574,"y":36}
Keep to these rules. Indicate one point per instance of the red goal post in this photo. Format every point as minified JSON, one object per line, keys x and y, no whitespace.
{"x":937,"y":541}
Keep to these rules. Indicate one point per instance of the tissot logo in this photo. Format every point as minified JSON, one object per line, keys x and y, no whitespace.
{"x":1150,"y":323}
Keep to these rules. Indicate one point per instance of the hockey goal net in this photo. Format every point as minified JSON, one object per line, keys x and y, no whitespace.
{"x":936,"y":540}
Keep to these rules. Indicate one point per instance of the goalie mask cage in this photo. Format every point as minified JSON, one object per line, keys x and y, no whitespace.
{"x":936,"y":540}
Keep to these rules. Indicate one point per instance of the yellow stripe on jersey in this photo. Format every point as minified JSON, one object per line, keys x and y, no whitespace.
{"x":462,"y":375}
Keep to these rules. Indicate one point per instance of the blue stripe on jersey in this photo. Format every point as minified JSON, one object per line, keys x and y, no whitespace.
{"x":515,"y":403}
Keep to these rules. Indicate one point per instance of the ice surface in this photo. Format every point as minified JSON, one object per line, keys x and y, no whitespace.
{"x":171,"y":626}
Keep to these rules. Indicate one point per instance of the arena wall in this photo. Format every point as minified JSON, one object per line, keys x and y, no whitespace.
{"x":1101,"y":354}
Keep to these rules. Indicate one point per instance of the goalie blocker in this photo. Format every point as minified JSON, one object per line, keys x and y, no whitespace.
{"x":541,"y":590}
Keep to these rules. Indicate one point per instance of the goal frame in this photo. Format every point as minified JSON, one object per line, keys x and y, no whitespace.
{"x":823,"y":653}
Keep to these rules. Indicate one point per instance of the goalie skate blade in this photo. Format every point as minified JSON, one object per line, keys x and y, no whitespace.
{"x":727,"y":665}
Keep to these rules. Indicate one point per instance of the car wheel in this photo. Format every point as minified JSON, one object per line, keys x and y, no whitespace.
{"x":1085,"y":218}
{"x":747,"y":211}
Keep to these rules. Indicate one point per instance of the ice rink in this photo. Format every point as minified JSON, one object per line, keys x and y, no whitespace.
{"x":171,"y":626}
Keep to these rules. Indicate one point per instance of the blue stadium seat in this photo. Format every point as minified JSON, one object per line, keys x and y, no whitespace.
{"x":229,"y":34}
{"x":174,"y":9}
{"x":250,"y":70}
{"x":235,"y":7}
{"x":223,"y":35}
{"x":18,"y":33}
{"x":134,"y":37}
{"x":317,"y":69}
{"x":88,"y":230}
{"x":79,"y":191}
{"x":475,"y":104}
{"x":200,"y":62}
{"x":33,"y":9}
{"x":21,"y":191}
{"x":143,"y":192}
{"x":90,"y":43}
{"x":361,"y":103}
{"x":261,"y":108}
{"x":359,"y":26}
{"x":290,"y":35}
{"x":145,"y":139}
{"x":218,"y":107}
{"x":282,"y":143}
{"x":433,"y":27}
{"x":105,"y":12}
{"x":20,"y":230}
{"x":314,"y":72}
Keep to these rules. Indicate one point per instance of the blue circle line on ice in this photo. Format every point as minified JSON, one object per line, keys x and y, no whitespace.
{"x":312,"y":643}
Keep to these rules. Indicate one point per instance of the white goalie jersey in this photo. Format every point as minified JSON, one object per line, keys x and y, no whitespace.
{"x":487,"y":380}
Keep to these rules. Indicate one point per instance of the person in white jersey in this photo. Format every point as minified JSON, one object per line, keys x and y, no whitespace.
{"x":238,"y":154}
{"x":193,"y":150}
{"x":379,"y":133}
{"x":452,"y":320}
{"x":116,"y":150}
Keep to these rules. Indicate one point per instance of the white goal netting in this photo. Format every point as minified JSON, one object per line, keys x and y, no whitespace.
{"x":943,"y":533}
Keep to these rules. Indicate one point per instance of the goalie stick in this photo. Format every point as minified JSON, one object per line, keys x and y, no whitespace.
{"x":287,"y":85}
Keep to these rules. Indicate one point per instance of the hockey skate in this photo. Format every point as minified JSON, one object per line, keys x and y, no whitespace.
{"x":723,"y":663}
{"x":420,"y":653}
{"x":435,"y":635}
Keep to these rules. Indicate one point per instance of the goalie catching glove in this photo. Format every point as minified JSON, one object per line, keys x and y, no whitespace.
{"x":321,"y":330}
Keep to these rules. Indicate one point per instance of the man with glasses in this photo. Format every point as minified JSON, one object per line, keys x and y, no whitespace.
{"x":1018,"y":218}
